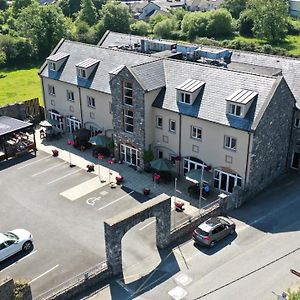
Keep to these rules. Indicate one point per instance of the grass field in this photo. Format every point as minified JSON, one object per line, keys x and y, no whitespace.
{"x":19,"y":85}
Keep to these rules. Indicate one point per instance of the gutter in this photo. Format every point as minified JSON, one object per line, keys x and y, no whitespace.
{"x":248,"y":156}
{"x":179,"y":150}
{"x":80,"y":104}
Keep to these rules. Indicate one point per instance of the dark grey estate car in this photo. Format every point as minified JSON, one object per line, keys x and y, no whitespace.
{"x":213,"y":230}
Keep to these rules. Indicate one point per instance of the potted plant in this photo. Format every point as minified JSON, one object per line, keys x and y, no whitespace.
{"x":55,"y":152}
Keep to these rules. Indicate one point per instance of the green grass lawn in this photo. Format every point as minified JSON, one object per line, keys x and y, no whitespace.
{"x":19,"y":85}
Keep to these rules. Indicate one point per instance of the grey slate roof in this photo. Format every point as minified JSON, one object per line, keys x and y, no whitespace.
{"x":110,"y":59}
{"x":9,"y":125}
{"x":241,"y":60}
{"x":211,"y":101}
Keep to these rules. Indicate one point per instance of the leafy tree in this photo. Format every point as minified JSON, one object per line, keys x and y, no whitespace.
{"x":164,"y":28}
{"x":140,"y":28}
{"x":157,"y":18}
{"x":44,"y":24}
{"x":115,"y":16}
{"x":99,"y":3}
{"x":235,"y":7}
{"x":219,"y":23}
{"x":18,"y":5}
{"x":97,"y":32}
{"x":195,"y":24}
{"x":3,"y":5}
{"x":294,"y":295}
{"x":270,"y":18}
{"x":88,"y":13}
{"x":69,"y":7}
{"x":246,"y":23}
{"x":83,"y":32}
{"x":2,"y":58}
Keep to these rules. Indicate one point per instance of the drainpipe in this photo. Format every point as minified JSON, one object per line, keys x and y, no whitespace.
{"x":248,"y":155}
{"x":80,"y":104}
{"x":44,"y":100}
{"x":179,"y":150}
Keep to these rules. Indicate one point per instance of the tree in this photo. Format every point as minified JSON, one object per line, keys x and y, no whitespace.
{"x":3,"y":5}
{"x":115,"y":17}
{"x":44,"y":25}
{"x":18,"y":5}
{"x":88,"y":13}
{"x":195,"y":24}
{"x":140,"y":28}
{"x":83,"y":32}
{"x":69,"y":7}
{"x":164,"y":28}
{"x":219,"y":23}
{"x":235,"y":7}
{"x":246,"y":23}
{"x":270,"y":18}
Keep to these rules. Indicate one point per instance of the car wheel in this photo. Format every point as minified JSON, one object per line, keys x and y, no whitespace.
{"x":212,"y":244}
{"x":27,"y":246}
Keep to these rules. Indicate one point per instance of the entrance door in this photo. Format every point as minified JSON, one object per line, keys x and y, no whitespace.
{"x":295,"y":162}
{"x":73,"y":124}
{"x":130,"y":155}
{"x":226,"y":181}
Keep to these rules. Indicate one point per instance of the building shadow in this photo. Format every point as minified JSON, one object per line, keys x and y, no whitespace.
{"x":16,"y":160}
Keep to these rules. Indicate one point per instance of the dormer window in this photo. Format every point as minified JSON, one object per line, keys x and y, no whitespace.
{"x":189,"y":90}
{"x":239,"y":102}
{"x":52,"y":65}
{"x":235,"y":109}
{"x":81,"y":73}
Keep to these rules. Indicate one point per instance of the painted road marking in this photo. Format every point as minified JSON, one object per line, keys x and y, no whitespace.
{"x":36,"y":278}
{"x":62,"y":177}
{"x":83,"y":189}
{"x":115,"y":201}
{"x":19,"y":260}
{"x":92,"y":201}
{"x":147,"y":225}
{"x":103,"y":193}
{"x":27,"y":165}
{"x":50,"y":168}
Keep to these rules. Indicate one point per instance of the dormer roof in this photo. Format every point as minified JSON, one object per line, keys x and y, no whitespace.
{"x":242,"y":96}
{"x":87,"y":63}
{"x":58,"y":56}
{"x":190,"y":85}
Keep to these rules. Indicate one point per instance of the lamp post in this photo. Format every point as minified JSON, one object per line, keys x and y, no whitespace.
{"x":71,"y":143}
{"x":100,"y":157}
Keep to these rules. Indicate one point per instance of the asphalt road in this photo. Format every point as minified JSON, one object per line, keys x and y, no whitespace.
{"x":249,"y":265}
{"x":64,"y":211}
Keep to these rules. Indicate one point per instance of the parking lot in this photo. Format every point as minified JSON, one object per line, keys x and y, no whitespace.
{"x":64,"y":208}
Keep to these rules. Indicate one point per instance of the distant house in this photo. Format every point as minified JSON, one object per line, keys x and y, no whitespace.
{"x":294,"y":8}
{"x":144,"y":9}
{"x":203,"y":5}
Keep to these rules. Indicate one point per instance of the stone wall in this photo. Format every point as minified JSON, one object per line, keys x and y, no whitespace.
{"x":7,"y":289}
{"x":271,"y":140}
{"x":137,"y":139}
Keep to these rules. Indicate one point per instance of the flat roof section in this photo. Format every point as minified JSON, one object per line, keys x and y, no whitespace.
{"x":242,"y":96}
{"x":87,"y":63}
{"x":9,"y":125}
{"x":58,"y":56}
{"x":191,"y":85}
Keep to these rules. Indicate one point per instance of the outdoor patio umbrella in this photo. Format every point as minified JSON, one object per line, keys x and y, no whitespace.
{"x":162,"y":165}
{"x":82,"y":133}
{"x":196,"y":174}
{"x":99,"y":140}
{"x":49,"y":123}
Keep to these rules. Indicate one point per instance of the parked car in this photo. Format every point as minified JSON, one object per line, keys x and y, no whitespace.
{"x":14,"y":241}
{"x":213,"y":230}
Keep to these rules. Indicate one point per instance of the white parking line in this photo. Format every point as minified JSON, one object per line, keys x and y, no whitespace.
{"x":36,"y":278}
{"x":62,"y":177}
{"x":19,"y":260}
{"x":27,"y":165}
{"x":115,"y":201}
{"x":147,"y":225}
{"x":45,"y":170}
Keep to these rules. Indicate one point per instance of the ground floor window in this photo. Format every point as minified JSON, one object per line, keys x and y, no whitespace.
{"x":54,"y":115}
{"x":191,"y":163}
{"x":72,"y":124}
{"x":130,"y":155}
{"x":226,"y":181}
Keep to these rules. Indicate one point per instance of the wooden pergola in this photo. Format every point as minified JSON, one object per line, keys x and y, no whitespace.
{"x":16,"y":137}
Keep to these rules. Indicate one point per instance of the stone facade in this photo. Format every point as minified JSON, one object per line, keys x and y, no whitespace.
{"x":270,"y":147}
{"x":116,"y":227}
{"x":294,"y":155}
{"x":137,"y":138}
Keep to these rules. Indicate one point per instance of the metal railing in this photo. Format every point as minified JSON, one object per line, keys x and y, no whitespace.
{"x":73,"y":282}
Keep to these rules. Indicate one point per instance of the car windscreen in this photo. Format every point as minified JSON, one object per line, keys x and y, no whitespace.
{"x":11,"y":236}
{"x":201,"y":232}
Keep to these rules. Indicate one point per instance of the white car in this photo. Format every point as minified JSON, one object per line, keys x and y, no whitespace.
{"x":14,"y":241}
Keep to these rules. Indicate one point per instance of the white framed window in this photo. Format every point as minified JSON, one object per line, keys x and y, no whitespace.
{"x":58,"y":117}
{"x":127,"y":93}
{"x":226,"y":181}
{"x":128,"y":120}
{"x":234,"y":109}
{"x":172,"y":126}
{"x":196,"y":133}
{"x":72,"y":124}
{"x":159,"y":122}
{"x":91,"y":102}
{"x":94,"y":130}
{"x":70,"y":96}
{"x":51,"y":90}
{"x":160,"y":154}
{"x":297,"y":123}
{"x":52,"y":65}
{"x":230,"y":142}
{"x":185,"y":98}
{"x":191,"y":163}
{"x":81,"y":72}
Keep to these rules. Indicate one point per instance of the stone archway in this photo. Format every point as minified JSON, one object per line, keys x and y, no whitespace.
{"x":116,"y":227}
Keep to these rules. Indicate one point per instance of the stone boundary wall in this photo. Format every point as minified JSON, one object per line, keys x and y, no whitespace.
{"x":7,"y":289}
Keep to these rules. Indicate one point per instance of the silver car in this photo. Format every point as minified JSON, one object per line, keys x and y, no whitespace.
{"x":14,"y":241}
{"x":213,"y":230}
